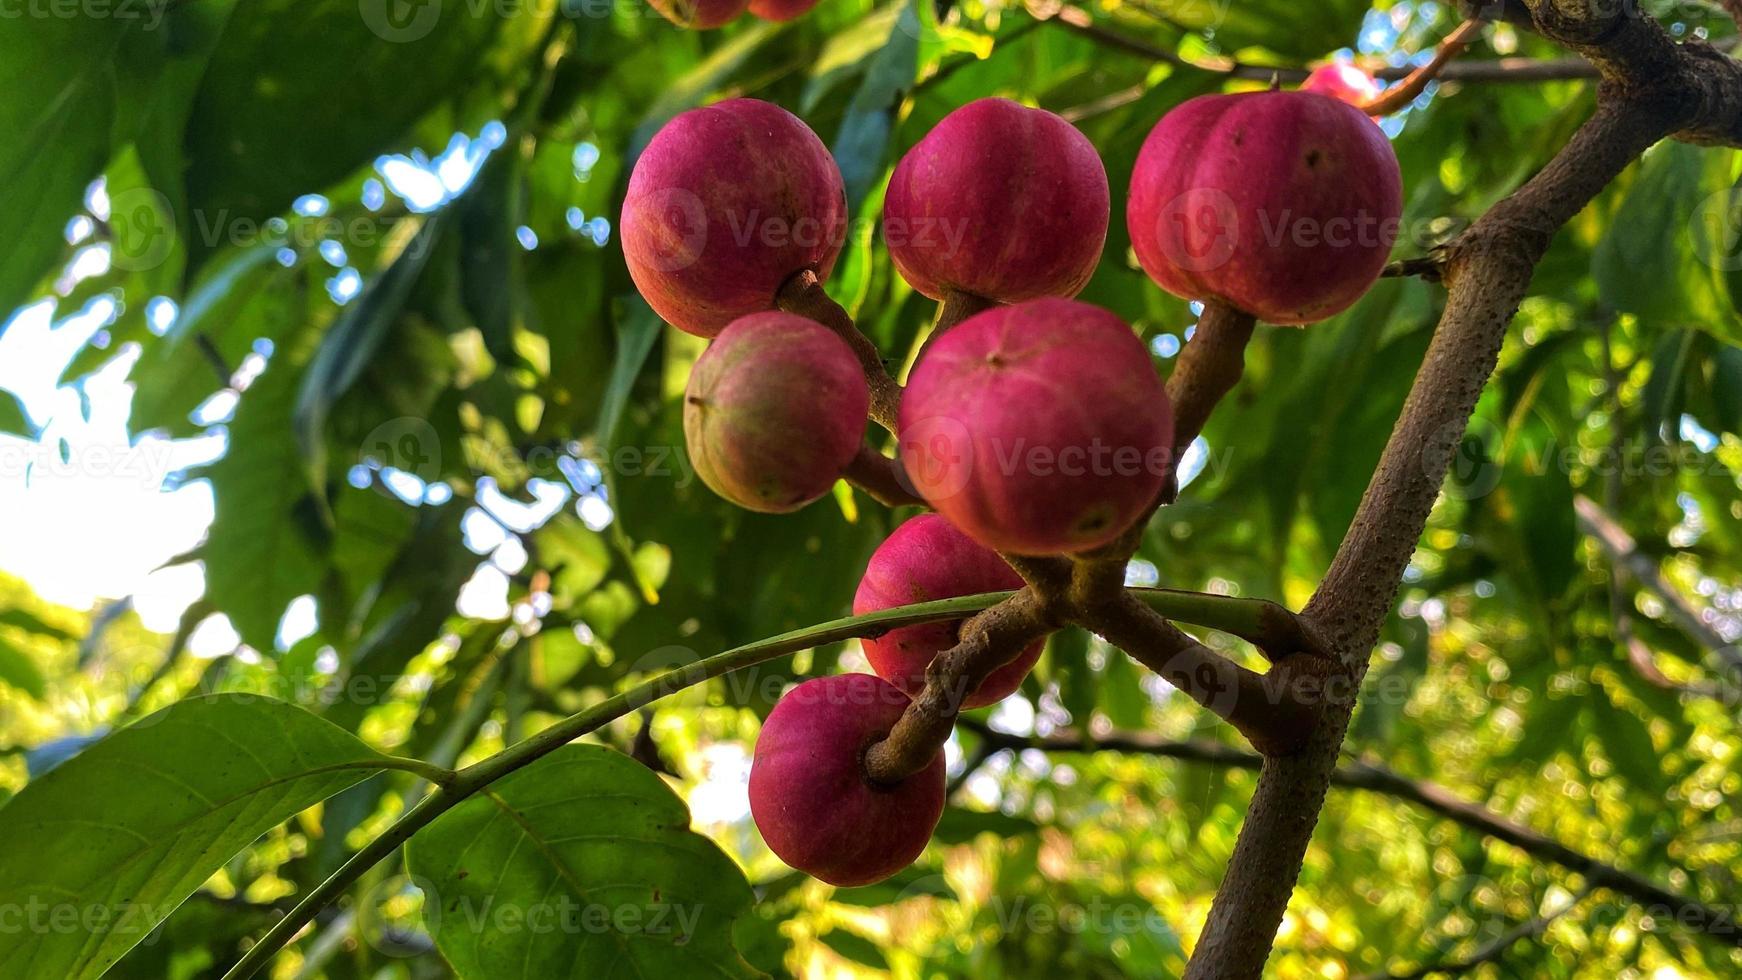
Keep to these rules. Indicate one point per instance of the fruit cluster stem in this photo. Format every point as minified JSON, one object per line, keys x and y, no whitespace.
{"x":988,"y":641}
{"x":881,"y":477}
{"x":1209,"y":367}
{"x":803,"y":294}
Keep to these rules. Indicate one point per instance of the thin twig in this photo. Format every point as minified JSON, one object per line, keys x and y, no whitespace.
{"x":1403,"y":93}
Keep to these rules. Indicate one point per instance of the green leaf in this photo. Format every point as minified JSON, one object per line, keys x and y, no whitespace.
{"x":490,"y":268}
{"x":638,"y":327}
{"x":1627,"y":743}
{"x":864,"y":134}
{"x":280,"y":111}
{"x":595,"y":846}
{"x":13,"y":421}
{"x":56,"y":114}
{"x":1653,"y":261}
{"x":1666,"y":389}
{"x":31,"y":623}
{"x":960,"y":826}
{"x":855,"y":947}
{"x":913,"y":881}
{"x":19,"y":669}
{"x":1726,"y":387}
{"x":352,"y":342}
{"x":123,"y":832}
{"x":238,"y":300}
{"x":264,"y":548}
{"x":694,"y":86}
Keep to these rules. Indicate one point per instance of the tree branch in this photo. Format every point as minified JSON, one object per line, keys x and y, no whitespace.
{"x":989,"y":640}
{"x":1209,"y":367}
{"x":882,"y":478}
{"x":1404,"y":92}
{"x":1272,"y":710}
{"x":1628,"y":560}
{"x":1493,"y":70}
{"x":1494,"y":951}
{"x":803,"y":294}
{"x":1429,"y":796}
{"x":1652,"y":88}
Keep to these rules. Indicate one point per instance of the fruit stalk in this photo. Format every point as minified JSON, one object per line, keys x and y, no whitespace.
{"x":957,"y":305}
{"x":989,"y":640}
{"x":881,"y":477}
{"x":1209,"y":367}
{"x":804,"y":295}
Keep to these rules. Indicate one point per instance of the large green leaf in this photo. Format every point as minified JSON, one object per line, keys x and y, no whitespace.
{"x":301,"y":93}
{"x":56,"y":114}
{"x":864,"y":134}
{"x":264,"y":547}
{"x":13,"y":421}
{"x":354,"y":340}
{"x":592,"y":853}
{"x":115,"y":838}
{"x":19,"y":669}
{"x":1660,"y":258}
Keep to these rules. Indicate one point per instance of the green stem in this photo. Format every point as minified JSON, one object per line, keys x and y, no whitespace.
{"x":470,"y":780}
{"x":1240,"y":617}
{"x":440,"y":775}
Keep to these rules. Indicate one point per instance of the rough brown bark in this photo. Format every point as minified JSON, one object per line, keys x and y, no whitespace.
{"x":1652,"y":89}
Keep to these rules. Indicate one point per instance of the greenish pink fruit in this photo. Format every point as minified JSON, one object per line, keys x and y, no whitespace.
{"x":1281,"y":204}
{"x":1039,"y":428}
{"x":809,"y":795}
{"x":927,"y":559}
{"x":726,"y":203}
{"x":998,"y":200}
{"x":774,"y":411}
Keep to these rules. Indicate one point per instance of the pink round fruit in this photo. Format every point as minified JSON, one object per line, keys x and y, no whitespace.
{"x":809,"y":795}
{"x":998,"y":200}
{"x":1037,"y":429}
{"x":726,"y":203}
{"x":927,"y":559}
{"x":774,"y":411}
{"x":1342,"y":80}
{"x":781,"y":10}
{"x":702,"y":15}
{"x":1281,"y":204}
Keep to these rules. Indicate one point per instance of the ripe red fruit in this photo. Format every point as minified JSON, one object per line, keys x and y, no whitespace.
{"x":1280,"y":204}
{"x":701,"y":15}
{"x":998,"y":200}
{"x":1341,"y":80}
{"x":779,"y":10}
{"x":774,"y":411}
{"x":726,"y":203}
{"x":927,"y":559}
{"x":809,"y":795}
{"x":1037,"y":429}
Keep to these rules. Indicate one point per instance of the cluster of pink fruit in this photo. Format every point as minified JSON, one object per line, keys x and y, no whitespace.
{"x":1036,"y":427}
